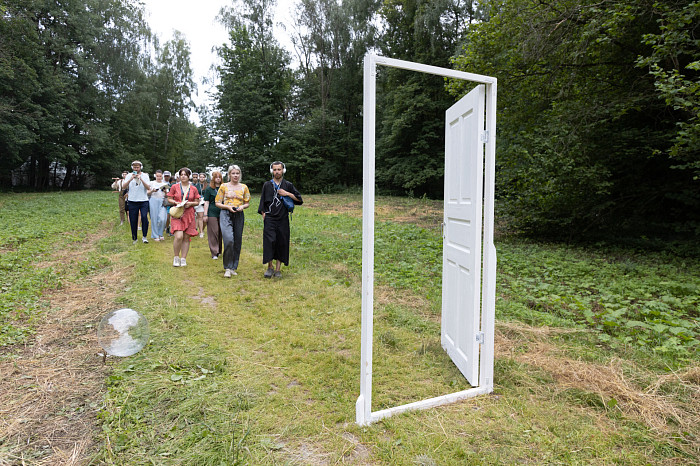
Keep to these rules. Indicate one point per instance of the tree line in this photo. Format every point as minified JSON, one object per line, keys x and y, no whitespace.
{"x":598,"y":110}
{"x":599,"y":100}
{"x":85,"y":88}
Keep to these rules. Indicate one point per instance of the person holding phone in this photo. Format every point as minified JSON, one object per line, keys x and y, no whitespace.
{"x":138,"y":184}
{"x":117,"y":186}
{"x":233,"y":198}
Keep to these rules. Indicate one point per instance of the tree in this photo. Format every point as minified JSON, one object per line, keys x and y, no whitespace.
{"x":58,"y":95}
{"x":411,"y":106}
{"x":674,"y":64}
{"x":583,"y":140}
{"x":151,"y":123}
{"x":324,"y":133}
{"x":253,"y":95}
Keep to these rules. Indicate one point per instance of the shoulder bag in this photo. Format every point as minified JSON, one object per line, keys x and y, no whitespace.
{"x":179,"y":210}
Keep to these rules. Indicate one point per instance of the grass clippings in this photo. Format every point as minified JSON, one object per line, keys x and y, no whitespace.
{"x":51,"y":389}
{"x":619,"y":384}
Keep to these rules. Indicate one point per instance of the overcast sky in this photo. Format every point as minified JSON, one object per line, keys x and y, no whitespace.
{"x":196,"y":20}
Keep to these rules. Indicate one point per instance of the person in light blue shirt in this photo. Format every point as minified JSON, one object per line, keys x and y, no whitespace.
{"x":138,"y":184}
{"x":157,"y":210}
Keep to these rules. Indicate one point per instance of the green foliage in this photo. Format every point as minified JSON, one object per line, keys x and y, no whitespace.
{"x":674,"y":64}
{"x":151,"y":122}
{"x":32,"y":228}
{"x":585,"y":146}
{"x":81,"y":93}
{"x":411,"y":106}
{"x":638,"y":299}
{"x":322,"y":137}
{"x":252,"y":98}
{"x":61,"y":85}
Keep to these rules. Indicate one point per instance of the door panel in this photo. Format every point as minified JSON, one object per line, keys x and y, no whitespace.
{"x":461,"y":304}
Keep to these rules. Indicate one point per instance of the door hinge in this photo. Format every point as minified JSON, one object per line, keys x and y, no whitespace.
{"x":480,"y":338}
{"x":484,"y":136}
{"x":442,"y":229}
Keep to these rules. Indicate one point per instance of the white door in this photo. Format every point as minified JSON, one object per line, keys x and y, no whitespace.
{"x":461,"y":251}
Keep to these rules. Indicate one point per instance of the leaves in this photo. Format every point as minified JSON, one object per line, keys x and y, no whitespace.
{"x":652,"y":305}
{"x":82,"y":96}
{"x":585,"y":144}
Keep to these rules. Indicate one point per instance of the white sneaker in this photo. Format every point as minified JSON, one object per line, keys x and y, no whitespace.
{"x":145,"y":240}
{"x":183,"y":262}
{"x":201,"y":235}
{"x":134,"y":242}
{"x":176,"y":262}
{"x":233,"y":272}
{"x":227,"y":274}
{"x":214,"y":257}
{"x":139,"y":228}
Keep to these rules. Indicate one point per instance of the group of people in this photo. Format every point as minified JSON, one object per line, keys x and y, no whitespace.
{"x":217,"y":208}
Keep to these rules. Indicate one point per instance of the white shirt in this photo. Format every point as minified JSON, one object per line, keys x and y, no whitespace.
{"x":137,"y":191}
{"x":117,"y":185}
{"x":158,"y":194}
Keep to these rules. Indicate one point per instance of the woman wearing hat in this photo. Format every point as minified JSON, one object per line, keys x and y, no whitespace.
{"x":138,"y":184}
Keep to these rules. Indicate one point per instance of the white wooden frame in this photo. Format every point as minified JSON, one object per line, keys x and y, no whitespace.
{"x":363,"y":406}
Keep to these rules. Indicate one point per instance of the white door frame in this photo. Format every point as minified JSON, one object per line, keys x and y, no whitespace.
{"x":363,"y":406}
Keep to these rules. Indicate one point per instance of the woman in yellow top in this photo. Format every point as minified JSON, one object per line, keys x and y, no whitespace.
{"x":232,"y":198}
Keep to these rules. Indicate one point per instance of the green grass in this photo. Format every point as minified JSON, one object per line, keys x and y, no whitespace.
{"x":32,"y":228}
{"x":632,"y":300}
{"x":256,"y":371}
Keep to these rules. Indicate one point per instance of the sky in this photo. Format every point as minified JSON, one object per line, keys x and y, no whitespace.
{"x":196,"y":20}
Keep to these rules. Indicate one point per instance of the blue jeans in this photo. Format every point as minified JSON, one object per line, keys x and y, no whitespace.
{"x":231,"y":225}
{"x":134,"y":209}
{"x":159,"y":215}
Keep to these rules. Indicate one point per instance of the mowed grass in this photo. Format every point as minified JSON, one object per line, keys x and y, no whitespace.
{"x":33,"y":229}
{"x":254,"y":371}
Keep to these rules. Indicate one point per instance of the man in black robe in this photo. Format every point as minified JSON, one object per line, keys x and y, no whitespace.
{"x":276,"y":218}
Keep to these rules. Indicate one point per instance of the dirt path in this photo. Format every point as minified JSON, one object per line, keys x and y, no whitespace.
{"x":51,"y":389}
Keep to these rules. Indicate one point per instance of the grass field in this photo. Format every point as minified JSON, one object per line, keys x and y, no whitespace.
{"x":596,"y":349}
